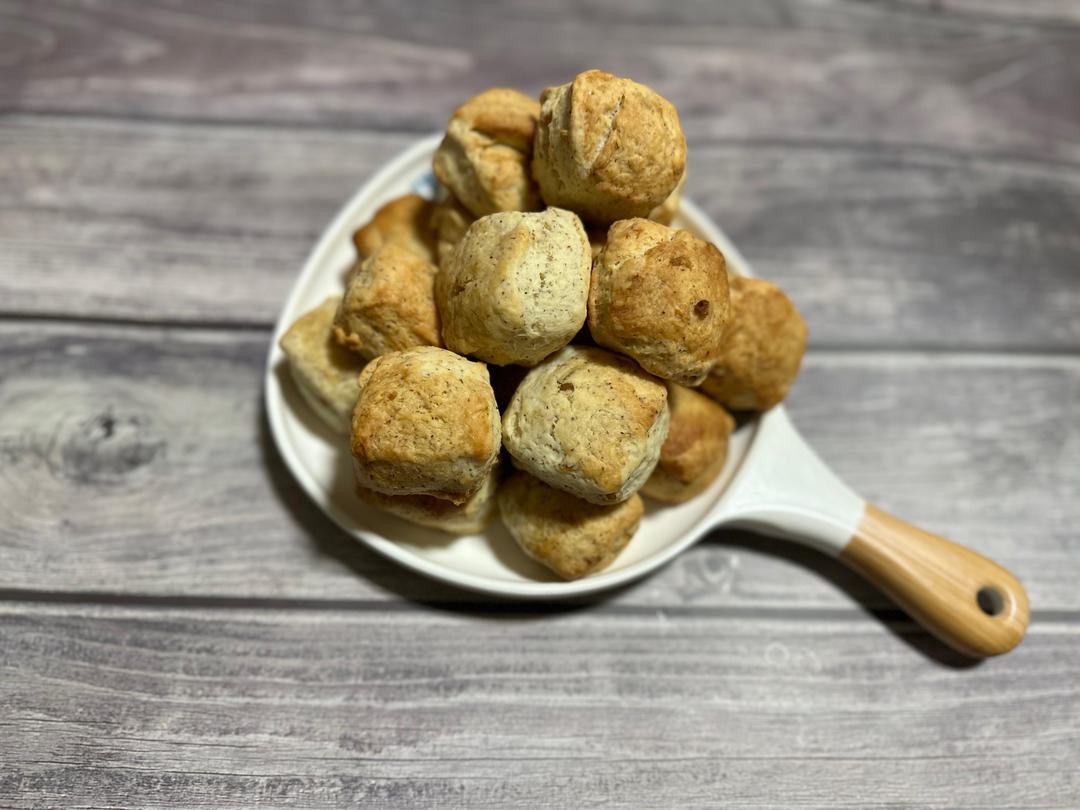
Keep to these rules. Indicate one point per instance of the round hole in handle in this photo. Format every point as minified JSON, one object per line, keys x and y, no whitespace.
{"x":990,"y":600}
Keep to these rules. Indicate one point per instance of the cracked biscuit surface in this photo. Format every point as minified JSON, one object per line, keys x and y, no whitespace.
{"x":588,"y":422}
{"x":406,"y":221}
{"x":572,"y":537}
{"x":324,"y":372}
{"x":607,"y":148}
{"x":469,"y":517}
{"x":389,"y":303}
{"x":425,"y":423}
{"x":516,"y":287}
{"x":660,"y":296}
{"x":695,"y":449}
{"x":484,"y":157}
{"x":763,"y":348}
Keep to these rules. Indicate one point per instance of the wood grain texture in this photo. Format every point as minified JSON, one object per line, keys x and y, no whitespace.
{"x":886,"y":72}
{"x":878,"y":246}
{"x":137,"y":460}
{"x":181,"y":628}
{"x":194,"y":709}
{"x":964,"y":599}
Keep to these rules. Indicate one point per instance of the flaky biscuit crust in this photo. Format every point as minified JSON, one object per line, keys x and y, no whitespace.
{"x":695,"y":449}
{"x":389,"y":304}
{"x":607,"y":148}
{"x":660,"y":296}
{"x":450,"y":220}
{"x":588,"y":422}
{"x":425,"y":422}
{"x":470,"y":517}
{"x":570,"y":536}
{"x":324,"y":372}
{"x":763,"y":348}
{"x":484,"y":157}
{"x":406,"y":221}
{"x":666,"y":211}
{"x":516,"y":287}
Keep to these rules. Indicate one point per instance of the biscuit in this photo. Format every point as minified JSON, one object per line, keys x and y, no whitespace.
{"x":660,"y":296}
{"x":324,"y":372}
{"x":665,"y":212}
{"x":389,"y":303}
{"x":588,"y":422}
{"x":572,"y":537}
{"x":763,"y":348}
{"x":516,"y":287}
{"x":425,"y":423}
{"x":695,"y":449}
{"x":470,"y":517}
{"x":607,"y":148}
{"x":484,"y":158}
{"x":405,"y":221}
{"x":449,"y":221}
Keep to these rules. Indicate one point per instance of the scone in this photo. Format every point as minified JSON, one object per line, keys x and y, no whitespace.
{"x":389,"y":303}
{"x":588,"y":422}
{"x":436,"y":513}
{"x":570,"y":536}
{"x":484,"y":158}
{"x":763,"y":348}
{"x":405,"y":221}
{"x":695,"y":449}
{"x":425,"y":423}
{"x":516,"y":287}
{"x":324,"y":372}
{"x":665,"y":212}
{"x":607,"y":148}
{"x":449,"y":221}
{"x":660,"y":296}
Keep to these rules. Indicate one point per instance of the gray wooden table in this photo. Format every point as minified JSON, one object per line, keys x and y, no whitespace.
{"x":181,"y":628}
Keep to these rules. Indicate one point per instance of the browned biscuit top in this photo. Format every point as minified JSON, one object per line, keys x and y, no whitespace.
{"x":405,"y":221}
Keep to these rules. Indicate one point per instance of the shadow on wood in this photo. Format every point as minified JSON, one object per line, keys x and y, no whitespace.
{"x":865,"y":597}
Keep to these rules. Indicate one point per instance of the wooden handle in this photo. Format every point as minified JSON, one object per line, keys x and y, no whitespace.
{"x":969,"y":602}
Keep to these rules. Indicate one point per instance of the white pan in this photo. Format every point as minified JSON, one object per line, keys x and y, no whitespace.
{"x":772,"y":482}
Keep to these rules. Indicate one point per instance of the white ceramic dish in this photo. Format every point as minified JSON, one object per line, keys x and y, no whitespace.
{"x":772,"y":481}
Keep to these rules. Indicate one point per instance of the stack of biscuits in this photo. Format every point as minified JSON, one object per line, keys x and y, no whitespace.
{"x":537,"y":342}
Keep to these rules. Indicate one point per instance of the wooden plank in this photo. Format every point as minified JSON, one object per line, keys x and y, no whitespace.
{"x":1049,"y":12}
{"x":836,"y":70}
{"x":137,"y":461}
{"x":878,"y":246}
{"x":421,"y":709}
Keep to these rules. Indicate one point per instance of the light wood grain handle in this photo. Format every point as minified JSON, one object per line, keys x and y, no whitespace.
{"x":969,"y":602}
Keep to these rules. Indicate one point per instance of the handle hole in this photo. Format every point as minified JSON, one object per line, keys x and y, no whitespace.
{"x":990,"y":600}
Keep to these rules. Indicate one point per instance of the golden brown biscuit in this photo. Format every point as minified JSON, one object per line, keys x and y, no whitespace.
{"x":324,"y":372}
{"x":607,"y":148}
{"x":516,"y":287}
{"x":665,"y":212}
{"x":389,"y":303}
{"x":425,"y":423}
{"x":436,"y":513}
{"x":588,"y":422}
{"x":449,"y":220}
{"x":763,"y":348}
{"x":660,"y":296}
{"x":484,"y":158}
{"x":695,"y":449}
{"x":405,"y":221}
{"x":570,"y":536}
